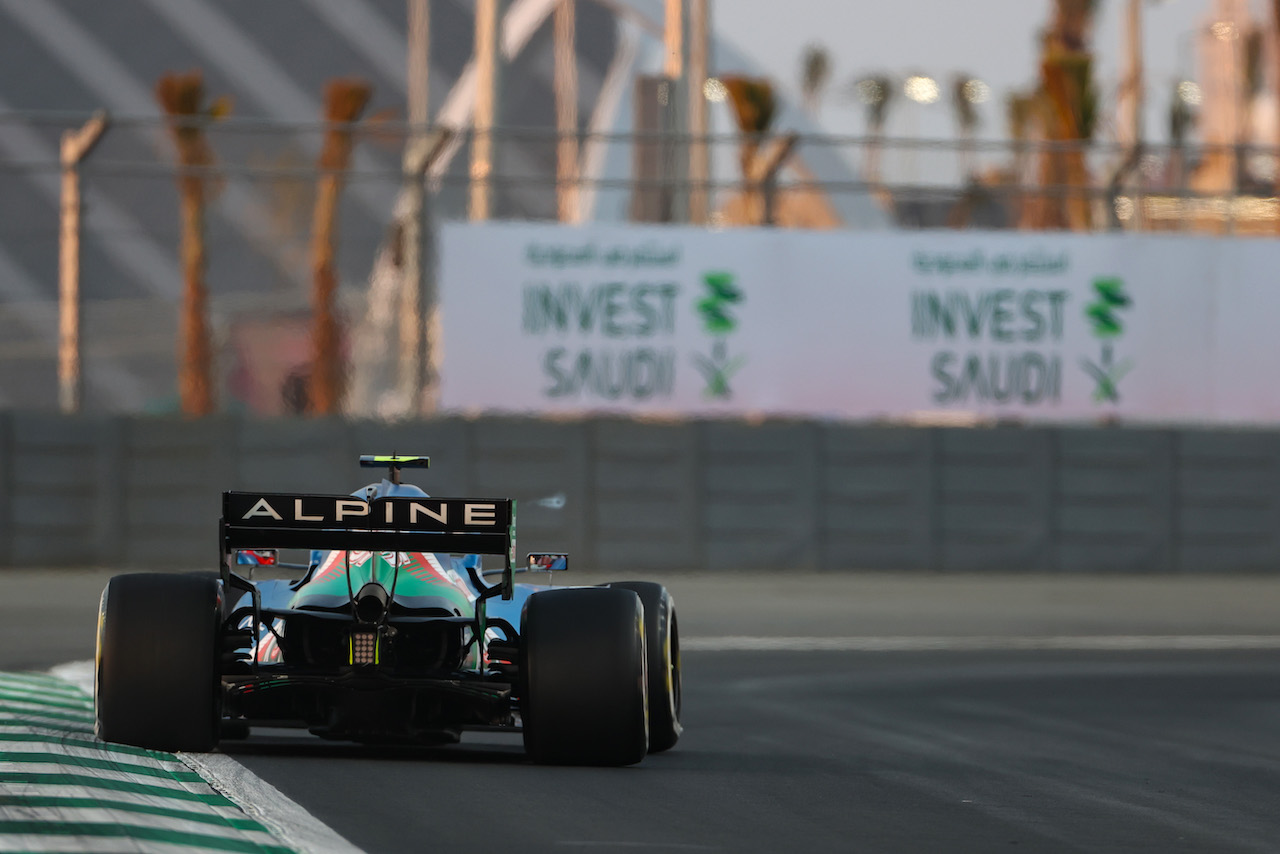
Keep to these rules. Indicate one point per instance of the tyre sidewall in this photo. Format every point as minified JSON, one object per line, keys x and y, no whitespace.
{"x":584,"y":680}
{"x":662,"y":640}
{"x":156,"y":681}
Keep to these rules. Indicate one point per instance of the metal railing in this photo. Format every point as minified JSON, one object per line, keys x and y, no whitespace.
{"x":829,"y":181}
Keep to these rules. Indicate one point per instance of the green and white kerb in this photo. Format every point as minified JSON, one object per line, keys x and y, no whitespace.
{"x":61,"y":789}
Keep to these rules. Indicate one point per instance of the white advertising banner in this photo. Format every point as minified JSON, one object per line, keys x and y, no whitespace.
{"x":858,"y":325}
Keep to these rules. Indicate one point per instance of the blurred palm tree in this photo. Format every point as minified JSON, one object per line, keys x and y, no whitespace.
{"x":1252,"y":84}
{"x":754,"y":106}
{"x":181,"y":96}
{"x":876,"y":94}
{"x":1181,"y":119}
{"x":761,"y":157}
{"x":1252,"y":68}
{"x":344,"y":102}
{"x":1068,"y":113}
{"x":1021,"y":111}
{"x":1072,"y":23}
{"x":964,"y":102}
{"x":815,"y":71}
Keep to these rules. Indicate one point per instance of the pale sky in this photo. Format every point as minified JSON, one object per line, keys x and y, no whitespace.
{"x":991,"y":39}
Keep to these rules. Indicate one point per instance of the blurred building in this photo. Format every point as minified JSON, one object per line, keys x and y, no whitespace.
{"x":1238,"y":77}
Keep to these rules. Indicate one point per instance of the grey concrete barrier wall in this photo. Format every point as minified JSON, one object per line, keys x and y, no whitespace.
{"x":876,"y":504}
{"x":624,"y":495}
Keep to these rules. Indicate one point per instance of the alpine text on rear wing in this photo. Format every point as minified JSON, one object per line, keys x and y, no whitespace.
{"x":261,"y":520}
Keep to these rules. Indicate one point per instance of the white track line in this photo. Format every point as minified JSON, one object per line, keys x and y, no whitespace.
{"x":1082,"y":643}
{"x":257,"y":798}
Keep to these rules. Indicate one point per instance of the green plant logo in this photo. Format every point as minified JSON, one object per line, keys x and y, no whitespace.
{"x":1103,"y":315}
{"x":719,"y":323}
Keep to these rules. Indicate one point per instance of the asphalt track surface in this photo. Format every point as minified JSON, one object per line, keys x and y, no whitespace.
{"x":973,"y":748}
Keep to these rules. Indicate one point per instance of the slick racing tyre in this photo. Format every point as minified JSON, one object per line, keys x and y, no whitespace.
{"x":583,"y":683}
{"x":157,"y":683}
{"x":662,"y":638}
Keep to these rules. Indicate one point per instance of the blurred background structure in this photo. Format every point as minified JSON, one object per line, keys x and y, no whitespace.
{"x":577,"y":111}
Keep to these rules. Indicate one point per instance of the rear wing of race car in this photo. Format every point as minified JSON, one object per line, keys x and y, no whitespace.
{"x":271,"y":520}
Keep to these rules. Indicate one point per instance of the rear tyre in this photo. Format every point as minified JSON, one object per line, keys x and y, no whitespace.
{"x":662,"y":639}
{"x":583,"y":683}
{"x":157,"y":682}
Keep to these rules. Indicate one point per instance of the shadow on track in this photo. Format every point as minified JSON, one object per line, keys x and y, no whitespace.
{"x":277,"y":743}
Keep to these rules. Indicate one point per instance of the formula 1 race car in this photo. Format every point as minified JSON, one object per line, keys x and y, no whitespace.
{"x":392,"y":633}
